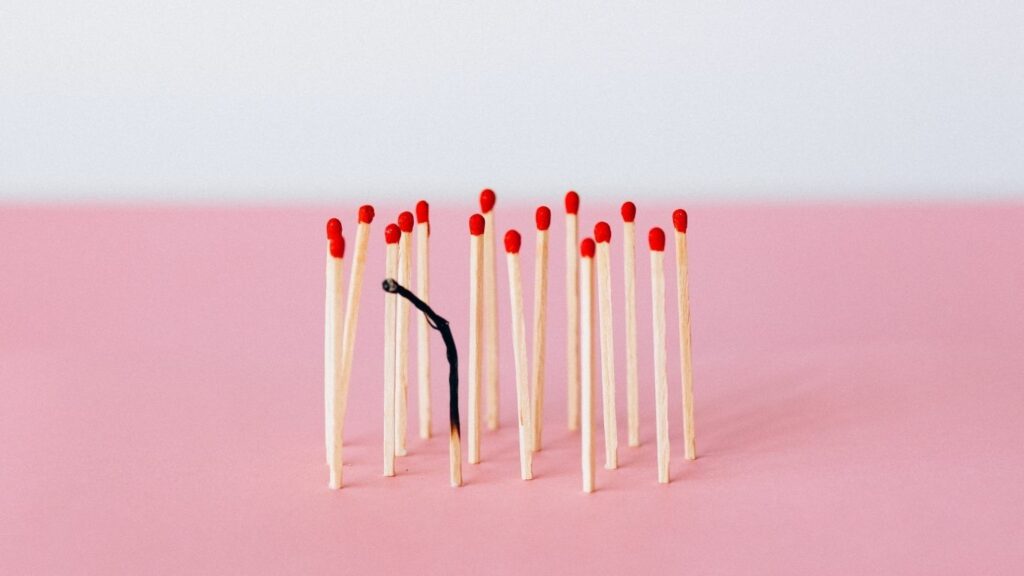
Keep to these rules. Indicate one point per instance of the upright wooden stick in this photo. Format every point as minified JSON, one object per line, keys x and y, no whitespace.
{"x":629,"y":266}
{"x":392,"y":234}
{"x":679,"y":222}
{"x":572,"y":309}
{"x":405,"y":224}
{"x":487,"y":200}
{"x":422,"y":328}
{"x":587,"y":360}
{"x":476,"y":245}
{"x":656,"y":240}
{"x":540,"y":321}
{"x":335,"y":322}
{"x":603,"y":235}
{"x":515,"y":289}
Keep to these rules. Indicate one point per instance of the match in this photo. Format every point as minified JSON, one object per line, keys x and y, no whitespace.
{"x":333,"y":334}
{"x":487,"y":200}
{"x":405,"y":224}
{"x":392,"y":235}
{"x":476,"y":240}
{"x":629,"y":273}
{"x":540,"y":311}
{"x":515,"y":289}
{"x":587,"y":249}
{"x":603,"y":236}
{"x":656,"y":240}
{"x":572,"y":309}
{"x":422,"y":327}
{"x":679,"y":222}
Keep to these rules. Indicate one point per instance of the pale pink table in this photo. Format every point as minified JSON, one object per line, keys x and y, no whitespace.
{"x":859,"y":391}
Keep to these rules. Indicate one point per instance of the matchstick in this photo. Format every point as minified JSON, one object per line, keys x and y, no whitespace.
{"x":392,"y":235}
{"x":572,"y":310}
{"x":679,"y":222}
{"x":476,"y":245}
{"x":515,"y":290}
{"x":335,"y":323}
{"x":540,"y":321}
{"x":629,"y":269}
{"x":355,"y":286}
{"x":656,"y":241}
{"x":405,"y":224}
{"x":422,"y":328}
{"x":587,"y":360}
{"x":487,"y":200}
{"x":603,"y":236}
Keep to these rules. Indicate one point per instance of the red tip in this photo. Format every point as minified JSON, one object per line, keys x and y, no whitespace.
{"x":656,"y":239}
{"x":422,"y":211}
{"x":543,"y":218}
{"x":405,"y":222}
{"x":366,"y":214}
{"x":338,"y":247}
{"x":487,"y":200}
{"x":476,"y":224}
{"x":602,"y":232}
{"x":333,"y":228}
{"x":679,"y":220}
{"x":587,"y":248}
{"x":512,"y":242}
{"x":392,"y":233}
{"x":628,"y":212}
{"x":572,"y":202}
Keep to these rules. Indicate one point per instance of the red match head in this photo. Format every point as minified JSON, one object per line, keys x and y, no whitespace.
{"x":338,"y":247}
{"x":512,"y":242}
{"x":572,"y":202}
{"x":392,"y":233}
{"x":405,"y":222}
{"x":628,"y":212}
{"x":487,"y":200}
{"x":587,"y":248}
{"x":679,"y":220}
{"x":543,"y":218}
{"x":422,"y":211}
{"x":476,"y":225}
{"x":366,"y":214}
{"x":602,"y":232}
{"x":333,"y":228}
{"x":656,"y":239}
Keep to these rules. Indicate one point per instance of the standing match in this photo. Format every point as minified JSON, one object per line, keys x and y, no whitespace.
{"x":476,"y":246}
{"x":572,"y":309}
{"x":603,"y":236}
{"x":422,"y":327}
{"x":629,"y":268}
{"x":333,"y":334}
{"x":540,"y":321}
{"x":587,"y":249}
{"x":405,"y":224}
{"x":392,"y":235}
{"x":487,"y":200}
{"x":656,"y":240}
{"x":515,"y":290}
{"x":679,"y":222}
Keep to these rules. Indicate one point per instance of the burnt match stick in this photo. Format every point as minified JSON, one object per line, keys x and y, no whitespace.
{"x":392,"y":234}
{"x":355,"y":286}
{"x":540,"y":321}
{"x":441,"y":325}
{"x":405,"y":224}
{"x":679,"y":222}
{"x":572,"y":324}
{"x":476,"y":246}
{"x":629,"y":269}
{"x":422,"y":327}
{"x":515,"y":289}
{"x":587,"y":249}
{"x":603,"y":236}
{"x":487,"y":200}
{"x":656,"y":240}
{"x":334,"y":327}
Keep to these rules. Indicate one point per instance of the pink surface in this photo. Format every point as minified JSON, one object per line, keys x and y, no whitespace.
{"x":859,"y":377}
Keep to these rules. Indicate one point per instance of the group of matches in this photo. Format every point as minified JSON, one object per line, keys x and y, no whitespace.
{"x":588,"y":264}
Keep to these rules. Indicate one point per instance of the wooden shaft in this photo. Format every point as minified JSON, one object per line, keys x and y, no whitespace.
{"x":402,"y":339}
{"x":632,"y":384}
{"x":587,"y":369}
{"x":522,"y":368}
{"x":491,"y":324}
{"x":660,"y":362}
{"x":455,"y":457}
{"x":572,"y":321}
{"x":335,"y":327}
{"x":685,"y":348}
{"x":422,"y":328}
{"x":540,"y":312}
{"x":390,"y":313}
{"x":348,"y":346}
{"x":475,"y":351}
{"x":604,"y":290}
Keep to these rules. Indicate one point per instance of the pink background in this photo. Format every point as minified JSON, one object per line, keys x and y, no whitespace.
{"x":858,"y":380}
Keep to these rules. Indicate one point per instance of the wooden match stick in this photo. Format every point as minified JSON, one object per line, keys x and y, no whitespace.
{"x":656,"y":240}
{"x":392,"y":235}
{"x":679,"y":222}
{"x":422,"y":328}
{"x":476,"y":245}
{"x":335,"y":323}
{"x":572,"y":308}
{"x":587,"y":360}
{"x":355,"y":286}
{"x":515,"y":288}
{"x":629,"y":269}
{"x":540,"y":321}
{"x":487,"y":200}
{"x":405,"y":224}
{"x":603,"y":236}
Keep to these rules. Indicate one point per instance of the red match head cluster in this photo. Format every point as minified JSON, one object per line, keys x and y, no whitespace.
{"x":628,"y":212}
{"x":366,"y":214}
{"x":602,"y":232}
{"x":572,"y":202}
{"x":679,"y":220}
{"x":392,"y":233}
{"x":476,"y":225}
{"x":587,"y":248}
{"x":487,"y":200}
{"x":405,"y":222}
{"x":338,"y":247}
{"x":333,"y":228}
{"x":656,"y":239}
{"x":543,"y":218}
{"x":512,"y":242}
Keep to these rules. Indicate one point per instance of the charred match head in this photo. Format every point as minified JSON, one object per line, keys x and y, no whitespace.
{"x":390,"y":286}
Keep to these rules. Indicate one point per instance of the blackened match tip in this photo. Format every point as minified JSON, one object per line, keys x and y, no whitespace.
{"x":390,"y":285}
